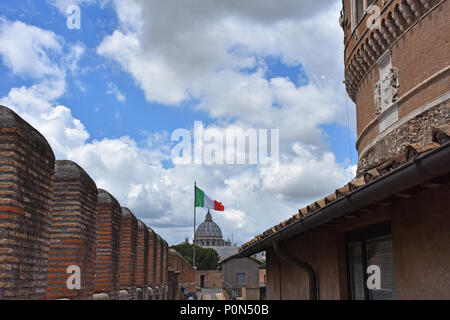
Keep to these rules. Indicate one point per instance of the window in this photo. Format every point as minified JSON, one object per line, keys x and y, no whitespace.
{"x":359,"y":10}
{"x":370,"y":264}
{"x":359,"y":7}
{"x":240,"y":278}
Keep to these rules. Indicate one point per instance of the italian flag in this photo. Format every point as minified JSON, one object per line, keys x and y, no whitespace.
{"x":202,"y":200}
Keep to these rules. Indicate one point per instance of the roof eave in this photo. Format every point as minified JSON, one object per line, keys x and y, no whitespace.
{"x":425,"y":167}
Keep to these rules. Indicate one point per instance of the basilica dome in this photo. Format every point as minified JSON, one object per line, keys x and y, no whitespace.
{"x":208,"y":233}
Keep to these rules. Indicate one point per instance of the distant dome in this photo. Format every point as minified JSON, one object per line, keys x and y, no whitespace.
{"x":208,"y":233}
{"x":208,"y":229}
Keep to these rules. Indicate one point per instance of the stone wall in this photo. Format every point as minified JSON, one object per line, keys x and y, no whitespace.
{"x":413,"y":132}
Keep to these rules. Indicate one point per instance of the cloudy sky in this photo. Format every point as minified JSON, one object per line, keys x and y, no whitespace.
{"x":110,"y":94}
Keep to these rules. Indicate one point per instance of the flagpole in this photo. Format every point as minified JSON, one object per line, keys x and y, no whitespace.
{"x":195,"y":213}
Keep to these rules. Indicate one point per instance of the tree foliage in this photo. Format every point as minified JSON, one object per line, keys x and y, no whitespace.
{"x":205,"y":258}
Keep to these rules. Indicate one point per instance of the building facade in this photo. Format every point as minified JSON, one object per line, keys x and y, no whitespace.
{"x":241,"y":277}
{"x":384,"y":235}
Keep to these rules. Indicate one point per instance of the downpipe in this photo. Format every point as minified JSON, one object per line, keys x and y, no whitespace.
{"x":312,"y":279}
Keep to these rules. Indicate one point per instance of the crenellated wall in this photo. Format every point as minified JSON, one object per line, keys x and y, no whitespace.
{"x":109,"y":216}
{"x":152,"y":251}
{"x":181,"y":275}
{"x":158,"y":280}
{"x":128,"y":253}
{"x":142,"y":259}
{"x":165,"y":267}
{"x":26,"y":193}
{"x":72,"y":231}
{"x":56,"y":227}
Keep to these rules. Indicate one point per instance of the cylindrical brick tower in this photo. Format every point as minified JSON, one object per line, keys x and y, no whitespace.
{"x":397,"y":72}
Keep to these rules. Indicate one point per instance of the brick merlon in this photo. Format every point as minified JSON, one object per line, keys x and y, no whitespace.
{"x":127,"y":212}
{"x":141,"y":225}
{"x":10,"y":119}
{"x":105,"y":197}
{"x":67,"y":170}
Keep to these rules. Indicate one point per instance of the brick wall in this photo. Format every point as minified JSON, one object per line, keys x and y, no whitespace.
{"x":72,"y":231}
{"x":52,"y":216}
{"x":128,"y":253}
{"x":109,"y":215}
{"x":419,"y":83}
{"x":173,"y":259}
{"x":211,"y":278}
{"x":174,"y":292}
{"x":158,"y":279}
{"x":165,"y":266}
{"x":142,"y":257}
{"x":181,"y":272}
{"x":152,"y":241}
{"x":26,"y":191}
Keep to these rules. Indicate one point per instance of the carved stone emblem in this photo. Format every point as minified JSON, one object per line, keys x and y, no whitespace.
{"x":386,"y":90}
{"x":394,"y":84}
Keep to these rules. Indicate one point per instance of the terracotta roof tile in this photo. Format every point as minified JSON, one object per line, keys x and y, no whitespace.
{"x":342,"y":191}
{"x":441,"y":134}
{"x":371,"y":175}
{"x":320,"y":203}
{"x":303,"y":212}
{"x":330,"y":198}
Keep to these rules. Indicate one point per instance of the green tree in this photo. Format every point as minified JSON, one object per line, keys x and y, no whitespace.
{"x":205,"y":258}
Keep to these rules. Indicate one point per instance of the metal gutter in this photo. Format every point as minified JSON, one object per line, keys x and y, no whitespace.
{"x":426,"y":166}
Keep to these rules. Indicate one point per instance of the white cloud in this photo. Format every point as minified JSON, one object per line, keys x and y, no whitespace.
{"x":194,"y":49}
{"x":179,"y":50}
{"x":42,"y":56}
{"x":26,"y":49}
{"x":112,"y":89}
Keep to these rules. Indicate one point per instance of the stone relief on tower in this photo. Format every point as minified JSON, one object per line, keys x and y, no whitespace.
{"x":386,"y":89}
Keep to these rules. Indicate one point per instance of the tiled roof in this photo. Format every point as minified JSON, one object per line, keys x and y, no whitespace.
{"x":440,"y":135}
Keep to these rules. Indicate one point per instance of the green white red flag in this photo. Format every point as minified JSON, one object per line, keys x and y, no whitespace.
{"x":204,"y":201}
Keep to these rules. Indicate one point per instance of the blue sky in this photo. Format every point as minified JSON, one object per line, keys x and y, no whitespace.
{"x":140,"y":73}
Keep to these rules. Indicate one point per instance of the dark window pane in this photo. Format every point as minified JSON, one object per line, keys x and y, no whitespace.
{"x":356,"y":271}
{"x":359,"y":9}
{"x":379,"y":253}
{"x":240,"y":278}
